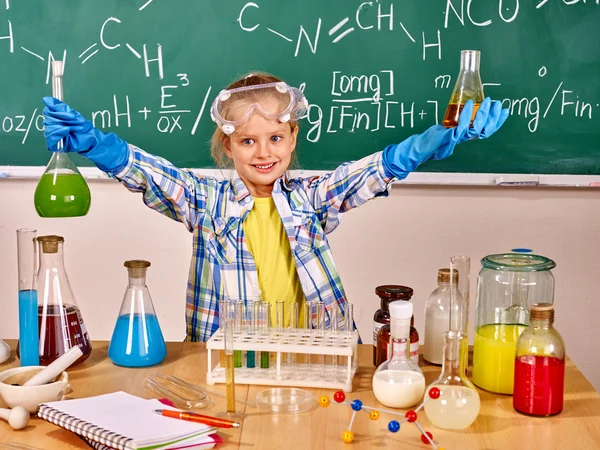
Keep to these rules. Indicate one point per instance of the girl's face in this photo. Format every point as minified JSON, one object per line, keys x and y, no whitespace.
{"x":261,"y":151}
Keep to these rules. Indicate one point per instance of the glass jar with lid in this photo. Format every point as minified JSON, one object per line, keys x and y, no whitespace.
{"x":507,"y":286}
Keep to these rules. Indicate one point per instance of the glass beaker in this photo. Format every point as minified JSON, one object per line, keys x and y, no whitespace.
{"x":468,"y":86}
{"x":399,"y":382}
{"x":60,"y":321}
{"x":137,"y":339}
{"x":458,"y":404}
{"x":507,"y":286}
{"x":540,"y":366}
{"x":62,"y":190}
{"x":27,"y":349}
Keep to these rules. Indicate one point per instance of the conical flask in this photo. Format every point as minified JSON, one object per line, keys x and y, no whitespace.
{"x":468,"y":86}
{"x":453,"y":402}
{"x":137,"y":339}
{"x":61,"y":191}
{"x":61,"y":325}
{"x":399,"y":382}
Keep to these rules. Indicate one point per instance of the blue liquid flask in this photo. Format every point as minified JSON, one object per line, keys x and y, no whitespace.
{"x":137,"y":339}
{"x":28,"y":351}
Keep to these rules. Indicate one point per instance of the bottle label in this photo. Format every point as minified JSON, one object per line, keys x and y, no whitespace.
{"x":376,"y":327}
{"x":414,"y":352}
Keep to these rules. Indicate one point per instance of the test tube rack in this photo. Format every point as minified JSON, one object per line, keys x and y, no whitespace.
{"x":280,"y":343}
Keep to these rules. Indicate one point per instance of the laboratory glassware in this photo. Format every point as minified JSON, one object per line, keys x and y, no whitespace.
{"x":507,"y":286}
{"x":462,"y":265}
{"x":226,"y":323}
{"x":60,"y":321}
{"x":28,"y":350}
{"x":137,"y":340}
{"x":399,"y":382}
{"x":62,"y":190}
{"x":540,"y":365}
{"x":386,"y":294}
{"x":437,"y":315}
{"x":468,"y":86}
{"x":394,"y":292}
{"x":458,"y":404}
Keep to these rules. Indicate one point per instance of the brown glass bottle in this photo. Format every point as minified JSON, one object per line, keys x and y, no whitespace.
{"x":387,"y":293}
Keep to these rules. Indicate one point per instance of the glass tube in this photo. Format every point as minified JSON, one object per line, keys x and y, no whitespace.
{"x":291,"y":357}
{"x":331,"y":364}
{"x":28,"y":300}
{"x":238,"y":312}
{"x":251,"y":314}
{"x":264,"y":326}
{"x":321,"y":325}
{"x":303,"y":364}
{"x":226,"y":324}
{"x":347,"y":328}
{"x":462,"y":264}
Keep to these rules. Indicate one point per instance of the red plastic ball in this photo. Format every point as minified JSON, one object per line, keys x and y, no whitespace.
{"x":424,"y":439}
{"x":411,"y":416}
{"x":434,"y":393}
{"x":339,"y":396}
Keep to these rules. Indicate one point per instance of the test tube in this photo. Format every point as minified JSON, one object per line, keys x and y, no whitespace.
{"x":280,"y":324}
{"x":238,"y":311}
{"x":226,"y":323}
{"x":264,"y":321}
{"x":332,"y":361}
{"x":304,"y":359}
{"x":251,"y":327}
{"x":321,"y":324}
{"x":291,"y":356}
{"x":348,"y":330}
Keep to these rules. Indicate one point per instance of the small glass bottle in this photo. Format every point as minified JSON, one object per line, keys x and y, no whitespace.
{"x":437,"y":316}
{"x":386,"y":294}
{"x":383,"y":342}
{"x":137,"y":339}
{"x":468,"y":86}
{"x":60,"y":322}
{"x":458,"y":403}
{"x":399,"y":382}
{"x":61,"y":191}
{"x":540,"y":365}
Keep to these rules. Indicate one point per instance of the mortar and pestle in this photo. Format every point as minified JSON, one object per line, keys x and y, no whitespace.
{"x":31,"y":385}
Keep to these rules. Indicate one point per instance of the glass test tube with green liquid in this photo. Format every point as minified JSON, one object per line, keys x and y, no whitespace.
{"x":238,"y":311}
{"x":264,"y":317}
{"x":251,"y":329}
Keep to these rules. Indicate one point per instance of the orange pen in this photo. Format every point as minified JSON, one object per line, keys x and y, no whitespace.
{"x":193,"y":417}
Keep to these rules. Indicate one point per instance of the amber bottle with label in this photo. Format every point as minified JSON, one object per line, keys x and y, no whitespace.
{"x":387,"y":293}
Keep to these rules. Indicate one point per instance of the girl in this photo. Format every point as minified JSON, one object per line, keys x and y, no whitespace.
{"x":260,"y":234}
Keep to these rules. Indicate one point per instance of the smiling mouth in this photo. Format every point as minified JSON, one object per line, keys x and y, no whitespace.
{"x":264,"y":166}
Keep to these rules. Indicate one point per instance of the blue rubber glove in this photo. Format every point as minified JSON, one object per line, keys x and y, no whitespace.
{"x":106,"y":150}
{"x":438,"y":142}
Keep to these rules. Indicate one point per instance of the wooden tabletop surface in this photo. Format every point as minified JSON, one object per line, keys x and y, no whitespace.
{"x":497,"y":427}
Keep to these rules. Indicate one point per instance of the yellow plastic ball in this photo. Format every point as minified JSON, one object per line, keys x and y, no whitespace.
{"x":374,"y":415}
{"x":324,"y":401}
{"x":348,"y":436}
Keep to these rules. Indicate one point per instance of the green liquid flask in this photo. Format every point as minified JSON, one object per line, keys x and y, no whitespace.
{"x":61,"y":191}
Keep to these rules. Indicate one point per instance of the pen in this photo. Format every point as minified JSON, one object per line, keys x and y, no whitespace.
{"x":206,"y":420}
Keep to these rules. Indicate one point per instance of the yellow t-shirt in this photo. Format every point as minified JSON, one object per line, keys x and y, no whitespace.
{"x":268,"y":242}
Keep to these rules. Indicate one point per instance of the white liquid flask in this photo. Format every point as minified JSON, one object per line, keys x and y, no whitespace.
{"x":454,"y":402}
{"x":399,"y":382}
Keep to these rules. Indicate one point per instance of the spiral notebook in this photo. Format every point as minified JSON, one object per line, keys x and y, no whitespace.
{"x":124,"y":422}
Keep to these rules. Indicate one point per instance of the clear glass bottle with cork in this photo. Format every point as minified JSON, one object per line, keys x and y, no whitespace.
{"x":389,"y":293}
{"x":437,"y":315}
{"x":540,"y":365}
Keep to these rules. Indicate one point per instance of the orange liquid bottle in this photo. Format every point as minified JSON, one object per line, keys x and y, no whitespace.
{"x":468,"y":86}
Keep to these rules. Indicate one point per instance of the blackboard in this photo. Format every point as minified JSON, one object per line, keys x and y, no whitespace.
{"x":375,"y":72}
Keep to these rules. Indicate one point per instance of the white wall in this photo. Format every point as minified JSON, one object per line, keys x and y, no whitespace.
{"x":402,"y":240}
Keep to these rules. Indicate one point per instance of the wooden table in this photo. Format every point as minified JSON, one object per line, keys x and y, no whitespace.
{"x":497,"y":427}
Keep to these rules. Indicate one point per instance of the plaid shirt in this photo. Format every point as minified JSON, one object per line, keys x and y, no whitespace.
{"x":214,"y":210}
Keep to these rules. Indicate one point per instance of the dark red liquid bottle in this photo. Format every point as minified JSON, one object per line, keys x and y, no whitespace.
{"x":540,"y":366}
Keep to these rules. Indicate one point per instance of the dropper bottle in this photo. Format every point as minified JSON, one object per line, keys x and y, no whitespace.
{"x":399,"y":382}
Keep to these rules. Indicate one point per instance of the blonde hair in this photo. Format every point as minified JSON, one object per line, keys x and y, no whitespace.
{"x":219,"y":139}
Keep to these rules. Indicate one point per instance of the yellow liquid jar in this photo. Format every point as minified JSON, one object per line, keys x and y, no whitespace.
{"x":494,"y":357}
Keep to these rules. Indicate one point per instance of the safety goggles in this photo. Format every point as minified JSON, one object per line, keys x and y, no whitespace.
{"x":275,"y":101}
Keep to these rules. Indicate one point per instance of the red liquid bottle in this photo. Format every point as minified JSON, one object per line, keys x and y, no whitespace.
{"x":61,"y":325}
{"x":540,"y":366}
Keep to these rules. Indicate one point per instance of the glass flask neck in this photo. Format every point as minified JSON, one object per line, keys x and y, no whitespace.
{"x":53,"y":258}
{"x":454,"y":365}
{"x":541,"y":319}
{"x":469,"y":60}
{"x":137,"y":277}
